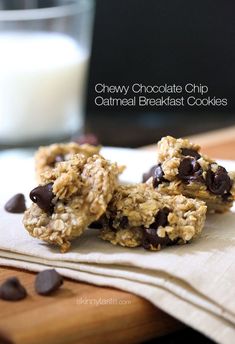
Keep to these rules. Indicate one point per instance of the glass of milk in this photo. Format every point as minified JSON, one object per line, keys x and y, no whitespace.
{"x":44,"y":55}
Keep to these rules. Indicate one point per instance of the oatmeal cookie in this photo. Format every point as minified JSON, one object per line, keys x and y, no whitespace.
{"x":139,"y":216}
{"x":70,"y":197}
{"x":46,"y":158}
{"x":181,"y":169}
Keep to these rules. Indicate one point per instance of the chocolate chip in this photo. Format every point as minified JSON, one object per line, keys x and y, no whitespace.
{"x":157,"y":173}
{"x":111,"y":223}
{"x":16,"y":204}
{"x":158,"y":176}
{"x":148,"y":174}
{"x":4,"y":339}
{"x":12,"y":290}
{"x":190,"y":169}
{"x":218,"y":182}
{"x":227,"y":197}
{"x":150,"y":236}
{"x":152,"y":240}
{"x":104,"y":222}
{"x":161,"y":218}
{"x":48,"y":281}
{"x":190,"y":152}
{"x":58,"y":158}
{"x":43,"y":196}
{"x":90,"y":139}
{"x":123,"y":222}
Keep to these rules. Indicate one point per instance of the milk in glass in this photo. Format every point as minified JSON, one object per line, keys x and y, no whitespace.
{"x":42,"y":79}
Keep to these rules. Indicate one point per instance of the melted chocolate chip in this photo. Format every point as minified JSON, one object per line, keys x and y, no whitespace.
{"x":161,"y":218}
{"x":107,"y":223}
{"x":157,"y":173}
{"x":123,"y":222}
{"x":110,"y":222}
{"x":190,"y":152}
{"x":189,"y":169}
{"x":48,"y":281}
{"x":150,"y":236}
{"x":12,"y":290}
{"x":16,"y":204}
{"x":158,"y":176}
{"x":227,"y":197}
{"x":149,"y":174}
{"x":152,"y":240}
{"x":43,"y":196}
{"x":218,"y":182}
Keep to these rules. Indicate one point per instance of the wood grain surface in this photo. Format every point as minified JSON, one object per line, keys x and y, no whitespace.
{"x":65,"y":318}
{"x":218,"y":144}
{"x":70,"y":315}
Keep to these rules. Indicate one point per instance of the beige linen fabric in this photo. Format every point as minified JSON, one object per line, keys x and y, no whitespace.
{"x":195,"y":283}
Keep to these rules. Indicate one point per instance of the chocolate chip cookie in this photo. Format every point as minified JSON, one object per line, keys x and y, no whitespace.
{"x":139,"y":216}
{"x":71,"y":196}
{"x":47,"y":157}
{"x":181,"y":169}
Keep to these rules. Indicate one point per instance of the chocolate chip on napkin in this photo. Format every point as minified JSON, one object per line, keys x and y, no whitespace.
{"x":16,"y":204}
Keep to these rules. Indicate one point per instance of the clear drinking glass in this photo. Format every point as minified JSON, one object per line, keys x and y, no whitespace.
{"x":44,"y":55}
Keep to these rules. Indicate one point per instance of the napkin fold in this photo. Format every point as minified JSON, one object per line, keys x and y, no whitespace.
{"x":194,"y":282}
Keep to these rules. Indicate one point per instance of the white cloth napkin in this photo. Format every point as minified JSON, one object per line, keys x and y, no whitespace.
{"x":195,"y":283}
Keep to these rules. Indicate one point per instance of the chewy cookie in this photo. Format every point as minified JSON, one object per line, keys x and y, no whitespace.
{"x":139,"y":216}
{"x":47,"y":157}
{"x":181,"y":169}
{"x":71,"y":196}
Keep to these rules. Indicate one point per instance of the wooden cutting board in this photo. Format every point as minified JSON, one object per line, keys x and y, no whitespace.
{"x":70,"y":316}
